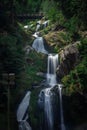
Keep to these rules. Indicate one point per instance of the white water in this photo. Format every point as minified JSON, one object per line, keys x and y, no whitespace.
{"x":26,"y":27}
{"x":48,"y":108}
{"x":37,"y":27}
{"x":36,"y":34}
{"x":51,"y":69}
{"x":38,"y":45}
{"x":21,"y":111}
{"x":45,"y":102}
{"x":45,"y":96}
{"x":46,"y":23}
{"x":61,"y":107}
{"x":51,"y":80}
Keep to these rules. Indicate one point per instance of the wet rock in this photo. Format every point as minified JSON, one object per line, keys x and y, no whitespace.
{"x":36,"y":86}
{"x":41,"y":100}
{"x":69,"y":58}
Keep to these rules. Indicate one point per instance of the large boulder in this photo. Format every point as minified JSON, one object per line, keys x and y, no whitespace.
{"x":69,"y":57}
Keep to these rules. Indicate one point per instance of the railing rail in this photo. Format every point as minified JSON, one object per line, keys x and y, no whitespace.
{"x":30,"y":16}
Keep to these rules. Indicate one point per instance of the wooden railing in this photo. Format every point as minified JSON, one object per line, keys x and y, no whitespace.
{"x":30,"y":16}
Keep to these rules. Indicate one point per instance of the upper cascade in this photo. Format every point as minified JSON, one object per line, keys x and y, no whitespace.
{"x":46,"y":23}
{"x":36,"y":34}
{"x":38,"y":45}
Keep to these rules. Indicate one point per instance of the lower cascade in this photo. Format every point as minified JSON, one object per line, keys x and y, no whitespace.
{"x":48,"y":109}
{"x":38,"y":45}
{"x":61,"y":107}
{"x":22,"y":114}
{"x":45,"y":103}
{"x":45,"y":95}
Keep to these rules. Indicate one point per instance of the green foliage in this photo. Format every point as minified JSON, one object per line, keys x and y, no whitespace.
{"x":35,"y":64}
{"x":67,"y":37}
{"x":76,"y":80}
{"x":52,"y":11}
{"x":33,"y":108}
{"x":55,"y":16}
{"x":76,"y":8}
{"x":82,"y":48}
{"x":28,"y":6}
{"x":11,"y":54}
{"x":72,"y":25}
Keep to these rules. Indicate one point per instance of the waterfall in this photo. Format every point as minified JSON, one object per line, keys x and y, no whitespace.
{"x":45,"y":96}
{"x":22,"y":114}
{"x":48,"y":109}
{"x":45,"y":103}
{"x":51,"y":69}
{"x":37,"y":27}
{"x":38,"y":45}
{"x":61,"y":107}
{"x":36,"y":34}
{"x":46,"y":23}
{"x":51,"y":80}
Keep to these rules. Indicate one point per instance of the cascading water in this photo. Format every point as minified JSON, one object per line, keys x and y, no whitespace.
{"x":45,"y":96}
{"x":36,"y":34}
{"x":38,"y":45}
{"x":22,"y":115}
{"x":51,"y":81}
{"x":51,"y":69}
{"x":46,"y":23}
{"x":38,"y":27}
{"x":61,"y":107}
{"x":45,"y":103}
{"x":48,"y":109}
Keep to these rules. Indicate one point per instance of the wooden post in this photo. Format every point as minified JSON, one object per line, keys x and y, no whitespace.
{"x":8,"y":107}
{"x":8,"y":79}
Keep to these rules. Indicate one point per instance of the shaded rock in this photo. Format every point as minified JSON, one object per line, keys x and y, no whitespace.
{"x":27,"y":49}
{"x":81,"y":127}
{"x":29,"y":60}
{"x":58,"y":27}
{"x":35,"y":85}
{"x":83,"y":34}
{"x":69,"y":57}
{"x":41,"y":99}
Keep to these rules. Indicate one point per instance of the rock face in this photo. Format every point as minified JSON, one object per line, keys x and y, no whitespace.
{"x":69,"y":57}
{"x":81,"y":127}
